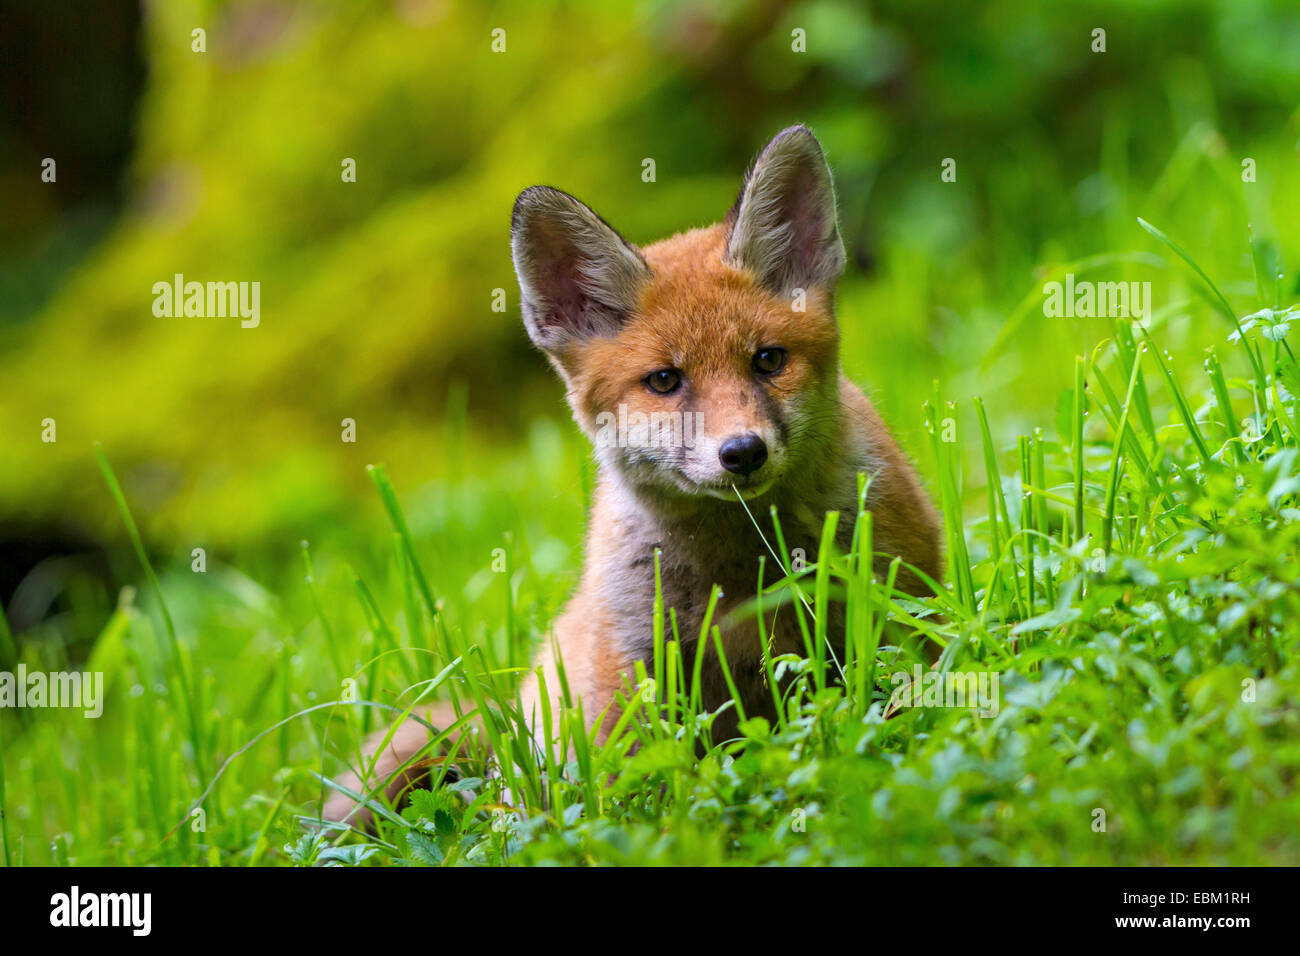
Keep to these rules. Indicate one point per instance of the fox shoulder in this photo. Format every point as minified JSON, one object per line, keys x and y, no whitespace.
{"x":905,"y":520}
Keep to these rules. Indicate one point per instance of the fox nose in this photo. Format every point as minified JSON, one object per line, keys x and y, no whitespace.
{"x":743,"y":454}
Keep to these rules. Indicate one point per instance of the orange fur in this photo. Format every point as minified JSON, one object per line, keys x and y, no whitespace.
{"x":692,"y":307}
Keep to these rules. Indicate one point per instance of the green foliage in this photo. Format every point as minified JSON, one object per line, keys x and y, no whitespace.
{"x":377,"y":295}
{"x":1146,"y":660}
{"x":1121,"y":507}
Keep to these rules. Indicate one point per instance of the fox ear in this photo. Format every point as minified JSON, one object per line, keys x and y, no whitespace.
{"x":782,"y":228}
{"x":578,"y":277}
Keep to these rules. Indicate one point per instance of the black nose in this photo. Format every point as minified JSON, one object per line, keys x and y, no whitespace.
{"x":743,"y":454}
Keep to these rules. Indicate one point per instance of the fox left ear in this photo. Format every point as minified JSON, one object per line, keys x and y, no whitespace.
{"x":782,"y":228}
{"x":577,"y":276}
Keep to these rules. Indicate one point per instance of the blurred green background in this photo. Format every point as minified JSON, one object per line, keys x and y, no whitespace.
{"x":376,"y":296}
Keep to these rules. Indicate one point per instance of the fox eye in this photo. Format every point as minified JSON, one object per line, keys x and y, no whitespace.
{"x":769,"y":361}
{"x":665,"y":381}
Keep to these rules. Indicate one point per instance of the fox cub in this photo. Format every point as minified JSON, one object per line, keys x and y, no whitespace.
{"x":705,"y":369}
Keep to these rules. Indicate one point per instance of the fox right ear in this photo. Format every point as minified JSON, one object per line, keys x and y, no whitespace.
{"x":577,"y":276}
{"x":782,"y":228}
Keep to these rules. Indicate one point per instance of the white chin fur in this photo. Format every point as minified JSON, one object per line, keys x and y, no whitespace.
{"x":729,"y":493}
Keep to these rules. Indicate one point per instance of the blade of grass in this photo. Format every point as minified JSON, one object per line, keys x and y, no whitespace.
{"x":1080,"y":412}
{"x":174,"y":645}
{"x":1116,"y":460}
{"x":1219,"y":384}
{"x":1220,"y":301}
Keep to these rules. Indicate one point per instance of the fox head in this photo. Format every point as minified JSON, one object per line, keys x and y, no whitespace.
{"x":707,"y":364}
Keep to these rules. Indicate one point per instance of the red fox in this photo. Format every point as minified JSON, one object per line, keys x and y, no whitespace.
{"x":705,"y":369}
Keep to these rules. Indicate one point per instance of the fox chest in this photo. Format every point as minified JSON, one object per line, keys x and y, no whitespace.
{"x":690,"y":566}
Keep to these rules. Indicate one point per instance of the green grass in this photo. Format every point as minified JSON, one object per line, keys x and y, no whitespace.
{"x":1132,"y":581}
